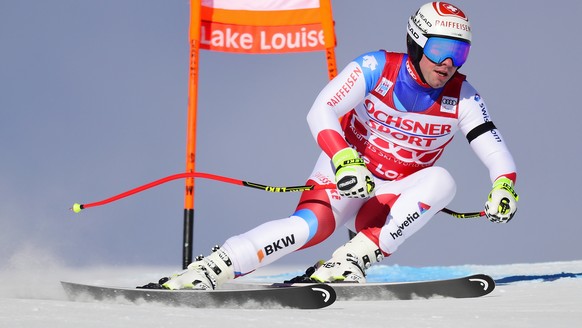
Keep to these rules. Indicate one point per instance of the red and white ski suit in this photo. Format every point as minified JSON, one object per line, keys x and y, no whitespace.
{"x":400,"y":127}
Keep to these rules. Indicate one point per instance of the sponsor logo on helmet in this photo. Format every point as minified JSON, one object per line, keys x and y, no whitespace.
{"x":412,"y":32}
{"x":451,"y":24}
{"x":446,"y":9}
{"x":422,"y":22}
{"x":439,"y":18}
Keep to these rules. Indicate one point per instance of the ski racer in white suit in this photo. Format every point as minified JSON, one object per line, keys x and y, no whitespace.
{"x":398,"y":112}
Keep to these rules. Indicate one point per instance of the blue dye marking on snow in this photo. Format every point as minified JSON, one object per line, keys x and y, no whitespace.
{"x":396,"y":273}
{"x":544,"y":277}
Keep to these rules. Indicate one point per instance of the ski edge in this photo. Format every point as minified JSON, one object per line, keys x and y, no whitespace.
{"x":471,"y":286}
{"x":313,"y":297}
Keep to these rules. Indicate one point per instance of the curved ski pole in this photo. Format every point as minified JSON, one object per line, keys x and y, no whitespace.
{"x":79,"y":207}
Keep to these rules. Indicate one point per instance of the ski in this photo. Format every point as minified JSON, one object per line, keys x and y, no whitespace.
{"x":465,"y":287}
{"x":313,"y":296}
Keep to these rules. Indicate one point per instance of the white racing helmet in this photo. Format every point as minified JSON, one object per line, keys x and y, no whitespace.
{"x":439,"y":30}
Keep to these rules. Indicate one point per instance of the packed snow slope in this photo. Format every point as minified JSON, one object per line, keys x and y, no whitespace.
{"x":527,"y":295}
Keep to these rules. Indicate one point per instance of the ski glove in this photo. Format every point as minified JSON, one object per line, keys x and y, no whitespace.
{"x":352,"y":178}
{"x":502,"y":202}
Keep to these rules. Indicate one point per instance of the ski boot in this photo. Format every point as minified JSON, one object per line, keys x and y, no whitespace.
{"x":349,"y":262}
{"x":206,"y":273}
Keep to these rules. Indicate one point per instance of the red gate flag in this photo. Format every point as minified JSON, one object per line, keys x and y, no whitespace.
{"x":267,"y":26}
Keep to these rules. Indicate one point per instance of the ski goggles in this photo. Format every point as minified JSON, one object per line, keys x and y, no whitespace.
{"x":439,"y":49}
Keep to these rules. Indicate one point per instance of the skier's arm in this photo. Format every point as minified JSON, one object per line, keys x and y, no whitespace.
{"x":336,"y":99}
{"x":483,"y":136}
{"x":341,"y":95}
{"x":488,"y":144}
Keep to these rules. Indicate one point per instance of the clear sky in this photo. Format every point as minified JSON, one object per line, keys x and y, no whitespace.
{"x":93,"y":102}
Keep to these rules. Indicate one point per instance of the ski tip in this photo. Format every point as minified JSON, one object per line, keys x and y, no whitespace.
{"x":326,"y":293}
{"x":485,"y":282}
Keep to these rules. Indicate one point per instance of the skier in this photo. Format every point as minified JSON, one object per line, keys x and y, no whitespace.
{"x":398,"y":112}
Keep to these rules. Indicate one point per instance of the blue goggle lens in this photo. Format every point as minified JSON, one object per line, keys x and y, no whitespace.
{"x":439,"y":49}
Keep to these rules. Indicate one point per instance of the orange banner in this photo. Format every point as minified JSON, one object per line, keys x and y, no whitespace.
{"x":254,"y":27}
{"x":275,"y":26}
{"x":261,"y":39}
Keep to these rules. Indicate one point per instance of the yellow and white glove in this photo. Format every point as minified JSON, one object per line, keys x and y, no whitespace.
{"x":352,"y":178}
{"x":502,"y":202}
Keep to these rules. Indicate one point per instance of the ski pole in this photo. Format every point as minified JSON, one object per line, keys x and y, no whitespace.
{"x":468,"y":215}
{"x":77,"y":207}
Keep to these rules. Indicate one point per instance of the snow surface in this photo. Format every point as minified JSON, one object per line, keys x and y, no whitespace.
{"x":34,"y":298}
